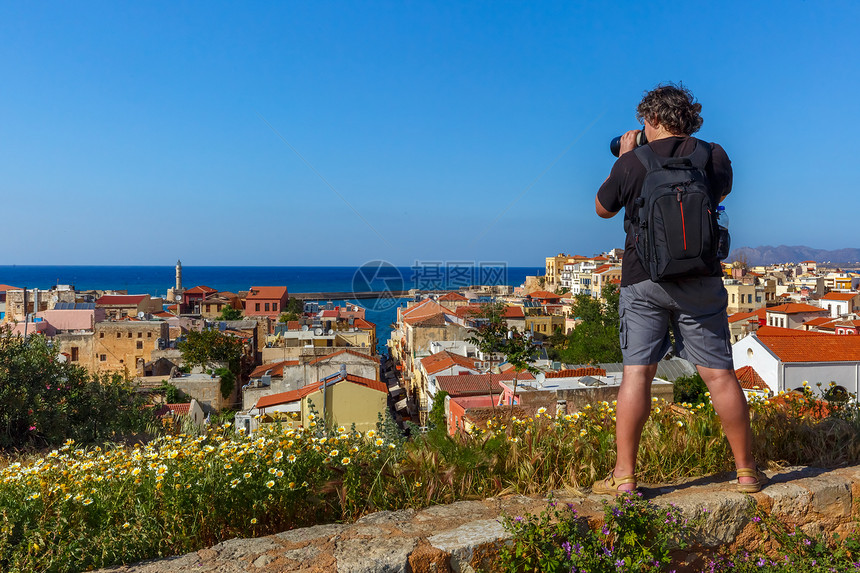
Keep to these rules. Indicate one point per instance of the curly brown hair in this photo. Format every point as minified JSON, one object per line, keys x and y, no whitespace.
{"x":674,"y":108}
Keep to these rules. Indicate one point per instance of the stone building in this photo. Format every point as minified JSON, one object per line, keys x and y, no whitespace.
{"x":123,"y":346}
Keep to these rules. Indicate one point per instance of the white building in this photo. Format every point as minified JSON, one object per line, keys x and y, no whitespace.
{"x":786,"y":358}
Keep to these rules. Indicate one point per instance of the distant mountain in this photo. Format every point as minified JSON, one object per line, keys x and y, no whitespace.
{"x":768,"y":255}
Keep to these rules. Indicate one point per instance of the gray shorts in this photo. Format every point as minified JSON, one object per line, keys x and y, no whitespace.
{"x":696,"y":310}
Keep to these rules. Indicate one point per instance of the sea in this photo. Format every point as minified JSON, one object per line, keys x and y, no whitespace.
{"x":373,"y":276}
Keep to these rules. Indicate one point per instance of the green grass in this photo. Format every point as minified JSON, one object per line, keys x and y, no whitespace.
{"x":78,"y":508}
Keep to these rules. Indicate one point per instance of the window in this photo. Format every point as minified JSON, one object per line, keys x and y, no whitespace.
{"x":208,"y":308}
{"x":140,"y":345}
{"x":267,"y":307}
{"x":75,"y":352}
{"x":101,"y":334}
{"x":118,"y":334}
{"x":149,"y":335}
{"x":733,"y":298}
{"x":257,"y":307}
{"x":274,"y":306}
{"x":140,"y":335}
{"x":102,"y":357}
{"x":129,"y":335}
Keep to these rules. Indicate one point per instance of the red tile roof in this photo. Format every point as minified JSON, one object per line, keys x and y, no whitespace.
{"x":267,"y":293}
{"x":201,"y":289}
{"x":452,"y":296}
{"x":577,"y":372}
{"x":294,"y":395}
{"x":474,"y":384}
{"x":424,"y":309}
{"x":820,"y":321}
{"x":293,"y":325}
{"x":4,"y":288}
{"x":344,"y":351}
{"x":795,"y":307}
{"x":329,"y":314}
{"x":840,"y":296}
{"x":742,"y":316}
{"x":363,"y":324}
{"x":791,"y":345}
{"x":545,"y":295}
{"x":426,"y":321}
{"x":514,"y":312}
{"x":178,"y":409}
{"x":277,"y":368}
{"x":750,"y":380}
{"x":467,"y":402}
{"x":444,"y":360}
{"x":121,"y":299}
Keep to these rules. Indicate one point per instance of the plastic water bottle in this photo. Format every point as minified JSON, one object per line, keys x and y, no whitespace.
{"x":724,"y":239}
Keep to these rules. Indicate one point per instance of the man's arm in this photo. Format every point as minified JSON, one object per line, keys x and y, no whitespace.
{"x":602,"y":211}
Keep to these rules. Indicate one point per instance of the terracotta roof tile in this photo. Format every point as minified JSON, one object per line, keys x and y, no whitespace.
{"x":846,"y":296}
{"x":444,"y":360}
{"x":452,"y":296}
{"x":795,"y":307}
{"x":742,"y":316}
{"x":267,"y":292}
{"x":294,"y":395}
{"x":577,"y":372}
{"x":546,"y":295}
{"x":474,"y":384}
{"x":277,"y":368}
{"x":363,"y":324}
{"x":344,"y":351}
{"x":791,"y":345}
{"x":201,"y":289}
{"x":4,"y":288}
{"x":750,"y":380}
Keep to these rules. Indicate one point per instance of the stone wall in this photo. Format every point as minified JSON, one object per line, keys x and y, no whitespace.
{"x":464,"y":536}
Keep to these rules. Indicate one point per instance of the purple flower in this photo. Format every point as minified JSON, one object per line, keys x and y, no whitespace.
{"x":807,"y":542}
{"x":566,"y":547}
{"x":518,"y":519}
{"x":619,"y":563}
{"x":761,"y":562}
{"x":756,"y":519}
{"x":605,"y":530}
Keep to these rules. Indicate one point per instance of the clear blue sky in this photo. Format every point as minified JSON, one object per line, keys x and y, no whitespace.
{"x":458,"y":131}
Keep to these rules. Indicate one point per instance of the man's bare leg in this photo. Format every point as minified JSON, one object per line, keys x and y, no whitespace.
{"x":632,"y":411}
{"x":731,"y":407}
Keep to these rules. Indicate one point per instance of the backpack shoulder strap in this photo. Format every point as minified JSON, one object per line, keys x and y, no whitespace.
{"x":701,"y":155}
{"x":648,"y":158}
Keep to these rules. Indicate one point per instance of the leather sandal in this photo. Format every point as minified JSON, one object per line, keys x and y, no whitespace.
{"x":753,"y":487}
{"x":609,"y":486}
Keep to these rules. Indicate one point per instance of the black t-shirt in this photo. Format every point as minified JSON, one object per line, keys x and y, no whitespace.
{"x":622,"y":188}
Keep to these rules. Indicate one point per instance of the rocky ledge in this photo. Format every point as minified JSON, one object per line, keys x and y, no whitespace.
{"x":464,"y":536}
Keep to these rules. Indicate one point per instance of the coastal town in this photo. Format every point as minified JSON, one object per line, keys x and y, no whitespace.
{"x":790,"y":325}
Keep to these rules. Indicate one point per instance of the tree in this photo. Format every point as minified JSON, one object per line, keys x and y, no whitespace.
{"x":595,"y":338}
{"x":45,"y":400}
{"x":493,"y":336}
{"x":288,"y":316}
{"x":230,"y":313}
{"x":210,"y":346}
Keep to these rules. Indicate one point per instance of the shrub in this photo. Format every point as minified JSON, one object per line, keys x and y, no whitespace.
{"x":45,"y":400}
{"x":636,"y":536}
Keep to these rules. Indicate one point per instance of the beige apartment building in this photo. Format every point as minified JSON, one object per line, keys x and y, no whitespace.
{"x":123,"y":346}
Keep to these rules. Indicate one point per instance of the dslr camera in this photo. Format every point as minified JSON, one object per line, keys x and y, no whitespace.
{"x":615,"y":144}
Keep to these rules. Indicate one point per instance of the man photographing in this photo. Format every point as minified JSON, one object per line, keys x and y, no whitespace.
{"x":669,"y":189}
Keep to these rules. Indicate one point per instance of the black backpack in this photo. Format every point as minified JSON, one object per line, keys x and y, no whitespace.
{"x":675,"y":224}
